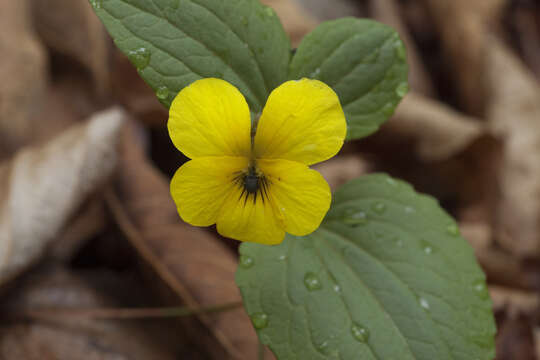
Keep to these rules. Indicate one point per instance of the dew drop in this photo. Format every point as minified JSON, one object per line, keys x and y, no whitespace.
{"x":312,"y":281}
{"x":426,"y":247}
{"x":424,"y":303}
{"x":139,"y":57}
{"x":324,"y":348}
{"x":480,"y":289}
{"x":337,"y":288}
{"x":315,"y":73}
{"x":162,"y":93}
{"x":391,"y":181}
{"x":402,"y":89}
{"x":401,"y":53}
{"x":269,"y":11}
{"x":409,"y":209}
{"x":354,"y":217}
{"x":452,"y":229}
{"x":379,"y":207}
{"x":246,"y":261}
{"x":259,"y":320}
{"x":360,"y":333}
{"x":387,"y":110}
{"x":96,"y":4}
{"x":282,"y":257}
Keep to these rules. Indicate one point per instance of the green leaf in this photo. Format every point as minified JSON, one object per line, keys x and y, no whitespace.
{"x":175,"y":42}
{"x":364,"y":62}
{"x":387,"y":276}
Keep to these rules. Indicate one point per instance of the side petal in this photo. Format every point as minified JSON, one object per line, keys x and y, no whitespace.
{"x":302,"y":121}
{"x":245,"y":219}
{"x":210,"y":118}
{"x":300,"y":194}
{"x":200,"y":187}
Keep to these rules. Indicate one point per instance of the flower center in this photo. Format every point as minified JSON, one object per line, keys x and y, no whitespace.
{"x":253,"y":182}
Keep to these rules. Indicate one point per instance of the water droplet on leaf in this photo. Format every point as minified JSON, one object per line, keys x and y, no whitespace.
{"x":401,"y":53}
{"x":426,"y":247}
{"x":246,"y":261}
{"x":139,"y":57}
{"x":355,"y":217}
{"x":337,"y":288}
{"x":402,"y":89}
{"x":452,"y":229}
{"x":259,"y":320}
{"x":379,"y":207}
{"x":282,"y":257}
{"x":424,"y":303}
{"x":480,"y":289}
{"x":162,"y":93}
{"x":360,"y":333}
{"x":312,"y":281}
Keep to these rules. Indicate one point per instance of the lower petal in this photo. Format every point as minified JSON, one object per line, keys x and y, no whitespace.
{"x":301,"y":195}
{"x":200,"y":187}
{"x":250,"y":219}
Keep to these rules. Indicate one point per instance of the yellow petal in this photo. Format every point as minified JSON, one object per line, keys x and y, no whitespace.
{"x":210,"y":118}
{"x":300,"y":194}
{"x":200,"y":187}
{"x":244,"y":219}
{"x":302,"y":121}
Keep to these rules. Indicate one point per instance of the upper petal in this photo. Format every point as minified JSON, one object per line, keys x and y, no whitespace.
{"x":302,"y":121}
{"x":250,"y":219}
{"x":210,"y":117}
{"x":200,"y":187}
{"x":300,"y":194}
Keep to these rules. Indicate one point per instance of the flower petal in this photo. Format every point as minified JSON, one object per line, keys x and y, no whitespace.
{"x":300,"y":194}
{"x":200,"y":187}
{"x":302,"y":121}
{"x":210,"y":118}
{"x":244,"y":219}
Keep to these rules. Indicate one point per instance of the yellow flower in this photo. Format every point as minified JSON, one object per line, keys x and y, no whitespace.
{"x":255,"y":188}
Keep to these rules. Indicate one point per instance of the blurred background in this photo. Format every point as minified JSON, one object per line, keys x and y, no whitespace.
{"x":88,"y":231}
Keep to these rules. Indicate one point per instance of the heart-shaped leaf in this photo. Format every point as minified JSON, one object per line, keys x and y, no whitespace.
{"x":387,"y":276}
{"x":365,"y":63}
{"x":175,"y":42}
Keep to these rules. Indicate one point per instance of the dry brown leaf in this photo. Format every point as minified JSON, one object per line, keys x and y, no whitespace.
{"x":73,"y":29}
{"x":388,"y":12}
{"x":328,"y":10}
{"x":514,"y":113}
{"x":514,"y":302}
{"x":438,"y":131}
{"x":75,"y":337}
{"x":23,"y":74}
{"x":190,"y":260}
{"x":296,"y":21}
{"x":41,"y":187}
{"x":464,"y":26}
{"x":339,"y":170}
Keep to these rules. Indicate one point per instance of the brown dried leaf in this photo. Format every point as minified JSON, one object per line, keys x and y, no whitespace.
{"x":71,"y":337}
{"x":85,"y":39}
{"x":514,"y":302}
{"x":190,"y":260}
{"x":41,"y":187}
{"x":388,"y":12}
{"x":514,"y":113}
{"x":464,"y":26}
{"x":339,"y":170}
{"x":438,"y":131}
{"x":23,"y":74}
